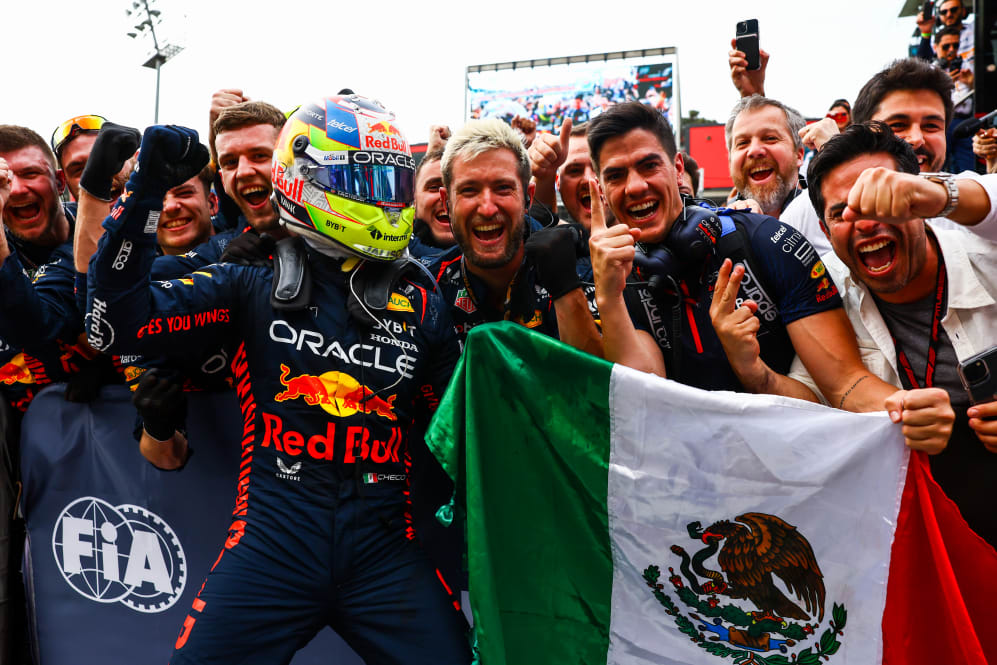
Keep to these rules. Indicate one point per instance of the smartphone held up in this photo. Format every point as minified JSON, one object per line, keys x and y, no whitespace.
{"x":746,"y":41}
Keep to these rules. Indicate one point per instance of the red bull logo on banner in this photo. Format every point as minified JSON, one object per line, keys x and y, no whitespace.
{"x":337,"y":393}
{"x":16,"y":371}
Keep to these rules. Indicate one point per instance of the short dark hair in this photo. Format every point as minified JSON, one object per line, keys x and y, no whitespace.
{"x":581,"y":129}
{"x":692,"y":168}
{"x":905,"y":74}
{"x":948,"y":31}
{"x":247,"y":114}
{"x":16,"y":137}
{"x":840,"y":102}
{"x":622,"y":118}
{"x":858,"y":139}
{"x":427,"y":159}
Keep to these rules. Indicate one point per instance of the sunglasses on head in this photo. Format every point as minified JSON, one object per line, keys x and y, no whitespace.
{"x":73,"y":127}
{"x":840,"y":116}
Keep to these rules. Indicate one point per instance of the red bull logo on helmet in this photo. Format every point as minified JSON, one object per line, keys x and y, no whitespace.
{"x":337,"y":393}
{"x":392,"y":140}
{"x":383,"y":127}
{"x":292,"y":188}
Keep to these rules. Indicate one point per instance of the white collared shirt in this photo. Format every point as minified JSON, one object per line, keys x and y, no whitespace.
{"x":971,"y":316}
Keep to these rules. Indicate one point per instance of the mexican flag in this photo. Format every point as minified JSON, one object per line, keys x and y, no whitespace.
{"x":616,"y":517}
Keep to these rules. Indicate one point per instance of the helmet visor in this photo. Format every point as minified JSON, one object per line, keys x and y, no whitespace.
{"x":383,"y":184}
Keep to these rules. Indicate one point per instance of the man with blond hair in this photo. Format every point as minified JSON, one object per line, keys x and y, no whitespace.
{"x":505,"y":266}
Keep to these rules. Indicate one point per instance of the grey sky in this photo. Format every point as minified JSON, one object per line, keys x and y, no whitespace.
{"x":68,"y":58}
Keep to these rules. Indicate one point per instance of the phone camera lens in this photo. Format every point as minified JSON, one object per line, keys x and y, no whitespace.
{"x":977,"y":372}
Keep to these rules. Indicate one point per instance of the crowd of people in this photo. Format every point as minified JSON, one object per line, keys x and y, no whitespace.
{"x":548,"y":108}
{"x":305,"y":261}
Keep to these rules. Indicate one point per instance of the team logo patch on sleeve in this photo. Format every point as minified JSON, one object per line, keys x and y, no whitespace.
{"x":532,"y":322}
{"x":399,"y":303}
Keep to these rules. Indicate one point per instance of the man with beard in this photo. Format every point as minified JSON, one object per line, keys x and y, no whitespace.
{"x":33,"y":215}
{"x":504,"y":266}
{"x":921,"y":299}
{"x":633,"y":150}
{"x":764,"y":152}
{"x":914,"y":98}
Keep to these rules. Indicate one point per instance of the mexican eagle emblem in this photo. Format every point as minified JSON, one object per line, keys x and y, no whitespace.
{"x":740,"y":611}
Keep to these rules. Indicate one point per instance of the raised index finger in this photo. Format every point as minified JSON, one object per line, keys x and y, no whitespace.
{"x":598,"y":210}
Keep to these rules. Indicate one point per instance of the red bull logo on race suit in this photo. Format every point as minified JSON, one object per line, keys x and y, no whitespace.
{"x":337,"y":393}
{"x":16,"y":371}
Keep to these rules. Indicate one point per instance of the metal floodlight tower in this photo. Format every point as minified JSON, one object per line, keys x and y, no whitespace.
{"x":144,"y":11}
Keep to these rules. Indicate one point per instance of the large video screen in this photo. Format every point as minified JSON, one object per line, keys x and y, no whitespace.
{"x":579,"y":87}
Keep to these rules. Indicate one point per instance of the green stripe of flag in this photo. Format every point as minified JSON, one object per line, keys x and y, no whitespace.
{"x":529,"y":479}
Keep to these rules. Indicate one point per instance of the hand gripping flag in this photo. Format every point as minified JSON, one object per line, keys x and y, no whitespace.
{"x":616,"y":517}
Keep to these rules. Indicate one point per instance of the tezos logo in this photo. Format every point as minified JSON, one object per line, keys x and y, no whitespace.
{"x":123,"y":554}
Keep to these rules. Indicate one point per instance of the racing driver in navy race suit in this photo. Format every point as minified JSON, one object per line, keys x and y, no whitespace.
{"x":339,"y":351}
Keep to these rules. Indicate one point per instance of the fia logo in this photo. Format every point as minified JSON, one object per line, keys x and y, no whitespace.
{"x":123,"y":554}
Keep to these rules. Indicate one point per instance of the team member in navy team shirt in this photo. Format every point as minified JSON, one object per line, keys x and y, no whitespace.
{"x":37,"y":339}
{"x":332,"y":369}
{"x":244,"y":137}
{"x":72,"y":142}
{"x":781,"y":290}
{"x":504,"y":266}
